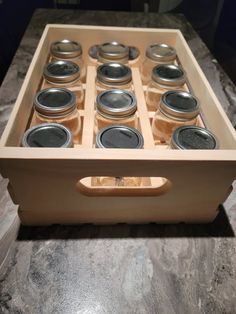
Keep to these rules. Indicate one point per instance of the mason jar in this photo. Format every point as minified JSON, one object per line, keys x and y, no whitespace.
{"x":177,"y":108}
{"x":193,"y":137}
{"x":133,"y":56}
{"x":116,"y":106}
{"x":164,"y":77}
{"x":113,"y":76}
{"x":69,"y":50}
{"x":156,"y":54}
{"x":65,"y":74}
{"x":113,"y":52}
{"x":58,"y":105}
{"x":47,"y":135}
{"x":119,"y":136}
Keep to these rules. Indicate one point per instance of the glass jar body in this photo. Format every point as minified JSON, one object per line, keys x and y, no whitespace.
{"x":163,"y":126}
{"x":72,"y":121}
{"x":79,"y":61}
{"x":101,"y":87}
{"x":75,"y":86}
{"x":103,"y":122}
{"x":102,"y":60}
{"x":117,"y":181}
{"x":154,"y":92}
{"x":146,"y":69}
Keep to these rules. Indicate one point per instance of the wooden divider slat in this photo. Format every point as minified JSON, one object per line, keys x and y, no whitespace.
{"x":87,"y":132}
{"x":142,"y":110}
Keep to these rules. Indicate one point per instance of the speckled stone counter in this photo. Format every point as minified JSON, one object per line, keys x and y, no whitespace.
{"x":123,"y":268}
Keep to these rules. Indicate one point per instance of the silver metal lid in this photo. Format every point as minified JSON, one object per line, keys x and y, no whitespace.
{"x":66,"y":49}
{"x":47,"y":135}
{"x":179,"y":105}
{"x":168,"y":75}
{"x":119,"y":136}
{"x":61,"y":72}
{"x":55,"y":102}
{"x":113,"y":51}
{"x":116,"y":103}
{"x":133,"y":52}
{"x":193,"y":137}
{"x":114,"y":73}
{"x":161,"y":52}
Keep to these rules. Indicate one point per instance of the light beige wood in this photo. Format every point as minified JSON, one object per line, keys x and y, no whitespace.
{"x":89,"y":108}
{"x":54,"y":185}
{"x":212,"y":112}
{"x":55,"y":190}
{"x":142,"y":110}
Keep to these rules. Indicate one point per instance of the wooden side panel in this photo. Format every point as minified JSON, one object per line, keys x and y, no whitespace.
{"x":49,"y":195}
{"x":213,"y":114}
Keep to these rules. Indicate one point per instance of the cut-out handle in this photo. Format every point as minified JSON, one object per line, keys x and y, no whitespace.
{"x":157,"y":187}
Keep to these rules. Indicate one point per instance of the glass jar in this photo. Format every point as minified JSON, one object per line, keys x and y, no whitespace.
{"x":116,"y":106}
{"x":47,"y":135}
{"x":113,"y":52}
{"x":58,"y":105}
{"x":69,"y":50}
{"x":156,"y":54}
{"x":119,"y":136}
{"x":113,"y":76}
{"x":177,"y":108}
{"x":133,"y":57}
{"x":193,"y":137}
{"x":164,"y":77}
{"x":65,"y":74}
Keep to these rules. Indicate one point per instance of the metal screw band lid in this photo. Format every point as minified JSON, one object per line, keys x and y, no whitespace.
{"x":193,"y":137}
{"x":168,"y":75}
{"x":161,"y":53}
{"x":119,"y":136}
{"x":66,"y":49}
{"x":116,"y":103}
{"x":133,"y":52}
{"x":55,"y":102}
{"x":179,"y":105}
{"x":61,"y":72}
{"x":114,"y":73}
{"x":47,"y":135}
{"x":113,"y":51}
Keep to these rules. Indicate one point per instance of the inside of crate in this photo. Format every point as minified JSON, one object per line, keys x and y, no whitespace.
{"x":88,"y":108}
{"x":212,"y":115}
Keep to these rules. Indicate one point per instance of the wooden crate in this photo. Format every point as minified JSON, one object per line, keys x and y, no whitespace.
{"x":54,"y":185}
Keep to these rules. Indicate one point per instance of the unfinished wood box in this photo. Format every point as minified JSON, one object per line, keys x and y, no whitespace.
{"x":54,"y":185}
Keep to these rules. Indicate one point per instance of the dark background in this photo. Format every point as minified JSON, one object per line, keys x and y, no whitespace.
{"x":216,"y":27}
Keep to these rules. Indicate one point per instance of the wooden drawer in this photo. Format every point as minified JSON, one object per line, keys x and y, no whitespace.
{"x":54,"y":185}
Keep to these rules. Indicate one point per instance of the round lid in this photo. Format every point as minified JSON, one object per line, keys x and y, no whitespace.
{"x":133,"y":52}
{"x":66,"y":49}
{"x":119,"y":136}
{"x":193,"y":137}
{"x":161,"y":52}
{"x":114,"y":73}
{"x":116,"y":103}
{"x":169,"y":75}
{"x":113,"y":51}
{"x":55,"y":102}
{"x":179,"y":105}
{"x":47,"y":135}
{"x":61,"y":71}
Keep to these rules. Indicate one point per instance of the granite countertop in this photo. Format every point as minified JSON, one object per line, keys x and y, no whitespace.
{"x":122,"y":268}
